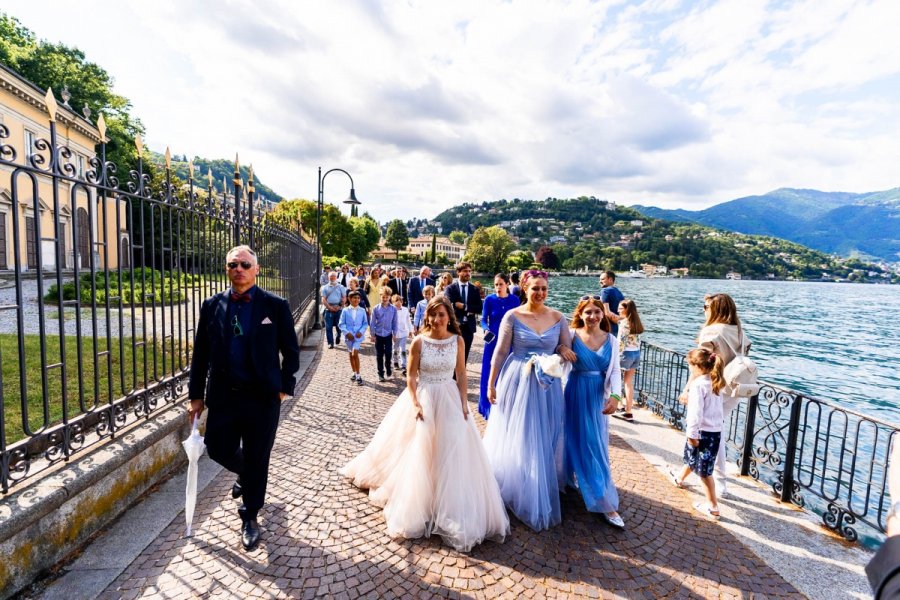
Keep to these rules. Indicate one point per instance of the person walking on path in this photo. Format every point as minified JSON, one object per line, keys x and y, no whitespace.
{"x":354,"y":321}
{"x":703,"y":425}
{"x":426,"y":464}
{"x":404,"y":327}
{"x":334,"y":295}
{"x":611,"y":296}
{"x":419,"y":317}
{"x":723,"y":335}
{"x":630,"y":330}
{"x":524,"y":436}
{"x":417,"y":285}
{"x":591,"y":393}
{"x":363,"y":299}
{"x":236,"y":371}
{"x":400,"y":287}
{"x":496,"y":305}
{"x":466,"y":301}
{"x":443,"y":283}
{"x":373,"y":286}
{"x":384,"y":327}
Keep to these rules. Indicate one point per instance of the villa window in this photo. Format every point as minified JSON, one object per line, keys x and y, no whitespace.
{"x":29,"y":143}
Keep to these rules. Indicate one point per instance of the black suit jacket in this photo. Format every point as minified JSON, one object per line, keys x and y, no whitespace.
{"x":415,"y":290}
{"x":271,"y":333}
{"x":398,"y":286}
{"x":473,"y":305}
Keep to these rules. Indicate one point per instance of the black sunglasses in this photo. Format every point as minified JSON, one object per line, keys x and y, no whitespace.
{"x":245,"y":264}
{"x":590,"y":297}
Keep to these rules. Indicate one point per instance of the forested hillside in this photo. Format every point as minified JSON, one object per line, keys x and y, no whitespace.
{"x":592,"y":233}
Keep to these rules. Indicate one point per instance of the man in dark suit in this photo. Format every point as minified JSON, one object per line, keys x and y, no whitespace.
{"x":416,"y":285}
{"x":399,"y":285}
{"x":236,"y":368}
{"x":466,"y":301}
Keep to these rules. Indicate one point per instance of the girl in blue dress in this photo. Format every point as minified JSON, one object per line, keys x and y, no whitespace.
{"x":592,"y":393}
{"x":524,"y":436}
{"x":495,"y":306}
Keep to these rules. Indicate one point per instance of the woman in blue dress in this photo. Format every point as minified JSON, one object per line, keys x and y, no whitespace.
{"x":592,"y":393}
{"x":524,"y":436}
{"x":495,"y":306}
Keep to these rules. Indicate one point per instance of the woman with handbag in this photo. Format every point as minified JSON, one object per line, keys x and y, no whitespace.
{"x":723,"y":335}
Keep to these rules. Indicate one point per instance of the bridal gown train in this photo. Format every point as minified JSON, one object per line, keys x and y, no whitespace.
{"x":432,"y":476}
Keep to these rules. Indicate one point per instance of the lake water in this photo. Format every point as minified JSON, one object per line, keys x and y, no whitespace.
{"x":836,"y":342}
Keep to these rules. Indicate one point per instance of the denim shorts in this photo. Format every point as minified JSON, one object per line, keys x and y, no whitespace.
{"x":630,"y":359}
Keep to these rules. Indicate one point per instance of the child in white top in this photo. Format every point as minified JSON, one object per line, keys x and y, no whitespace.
{"x":703,"y":425}
{"x":403,"y":333}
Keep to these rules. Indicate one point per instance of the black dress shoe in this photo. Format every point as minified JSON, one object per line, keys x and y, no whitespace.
{"x":236,"y":489}
{"x":250,"y":534}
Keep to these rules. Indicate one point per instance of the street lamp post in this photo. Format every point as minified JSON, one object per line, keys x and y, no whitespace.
{"x":353,"y":202}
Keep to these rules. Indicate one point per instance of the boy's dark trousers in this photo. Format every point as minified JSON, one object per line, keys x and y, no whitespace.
{"x":384,"y":347}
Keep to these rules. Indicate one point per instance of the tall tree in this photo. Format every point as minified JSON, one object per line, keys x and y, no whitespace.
{"x":365,"y":237}
{"x":336,"y":228}
{"x":489,"y":248}
{"x":433,"y":247}
{"x":397,"y":237}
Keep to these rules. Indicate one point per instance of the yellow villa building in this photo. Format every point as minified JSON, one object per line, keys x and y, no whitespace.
{"x":84,"y":232}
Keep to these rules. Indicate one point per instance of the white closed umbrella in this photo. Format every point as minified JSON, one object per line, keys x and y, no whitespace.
{"x":194,"y":447}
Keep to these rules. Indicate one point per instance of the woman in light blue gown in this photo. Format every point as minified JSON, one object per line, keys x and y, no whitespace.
{"x":592,"y":393}
{"x":524,"y":436}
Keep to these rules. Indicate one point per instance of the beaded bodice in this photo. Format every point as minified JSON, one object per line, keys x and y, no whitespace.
{"x":438,"y":360}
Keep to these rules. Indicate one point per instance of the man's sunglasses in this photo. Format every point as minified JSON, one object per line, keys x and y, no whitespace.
{"x":245,"y":264}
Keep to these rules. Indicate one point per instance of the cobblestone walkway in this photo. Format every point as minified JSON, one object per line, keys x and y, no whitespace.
{"x":321,"y":537}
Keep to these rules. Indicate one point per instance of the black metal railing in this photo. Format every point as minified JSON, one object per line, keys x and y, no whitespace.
{"x":107,"y":278}
{"x":814,"y":454}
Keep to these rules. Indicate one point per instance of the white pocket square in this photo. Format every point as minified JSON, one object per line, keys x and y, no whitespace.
{"x":266,"y":321}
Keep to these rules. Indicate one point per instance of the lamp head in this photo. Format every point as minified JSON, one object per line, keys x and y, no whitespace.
{"x":352,"y":199}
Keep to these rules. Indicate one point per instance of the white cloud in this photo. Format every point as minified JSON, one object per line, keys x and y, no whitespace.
{"x":430,"y":104}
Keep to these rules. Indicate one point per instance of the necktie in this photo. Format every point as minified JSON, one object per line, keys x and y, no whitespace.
{"x":465,"y":288}
{"x":245,"y":297}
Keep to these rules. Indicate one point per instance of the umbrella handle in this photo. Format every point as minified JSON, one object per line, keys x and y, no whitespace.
{"x":194,"y":423}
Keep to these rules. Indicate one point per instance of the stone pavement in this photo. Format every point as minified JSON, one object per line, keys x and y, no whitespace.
{"x":321,"y":537}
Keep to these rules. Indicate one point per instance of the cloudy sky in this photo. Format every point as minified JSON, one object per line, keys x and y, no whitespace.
{"x":430,"y":103}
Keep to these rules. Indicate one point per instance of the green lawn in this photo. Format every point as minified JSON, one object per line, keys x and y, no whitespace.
{"x":93,"y":378}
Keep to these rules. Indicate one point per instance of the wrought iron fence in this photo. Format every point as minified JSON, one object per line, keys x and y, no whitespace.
{"x":107,"y":281}
{"x":814,"y":454}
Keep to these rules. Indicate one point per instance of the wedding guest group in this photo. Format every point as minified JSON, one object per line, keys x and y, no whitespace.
{"x":237,"y":373}
{"x":548,"y":388}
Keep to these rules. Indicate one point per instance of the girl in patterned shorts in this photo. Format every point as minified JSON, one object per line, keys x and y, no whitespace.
{"x":703,"y":425}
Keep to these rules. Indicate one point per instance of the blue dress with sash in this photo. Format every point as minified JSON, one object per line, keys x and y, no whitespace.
{"x":587,"y":428}
{"x":524,"y":436}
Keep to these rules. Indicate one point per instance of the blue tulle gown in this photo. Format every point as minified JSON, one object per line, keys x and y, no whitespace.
{"x":495,"y":308}
{"x":524,"y":436}
{"x":587,"y":428}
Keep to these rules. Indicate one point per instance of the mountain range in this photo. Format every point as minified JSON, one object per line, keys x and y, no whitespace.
{"x":866,"y":225}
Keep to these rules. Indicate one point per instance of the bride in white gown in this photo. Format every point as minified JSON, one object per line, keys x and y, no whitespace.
{"x":426,"y":464}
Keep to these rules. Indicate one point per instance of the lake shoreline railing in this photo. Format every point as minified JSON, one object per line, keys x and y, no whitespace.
{"x":135,"y":261}
{"x":814,"y":454}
